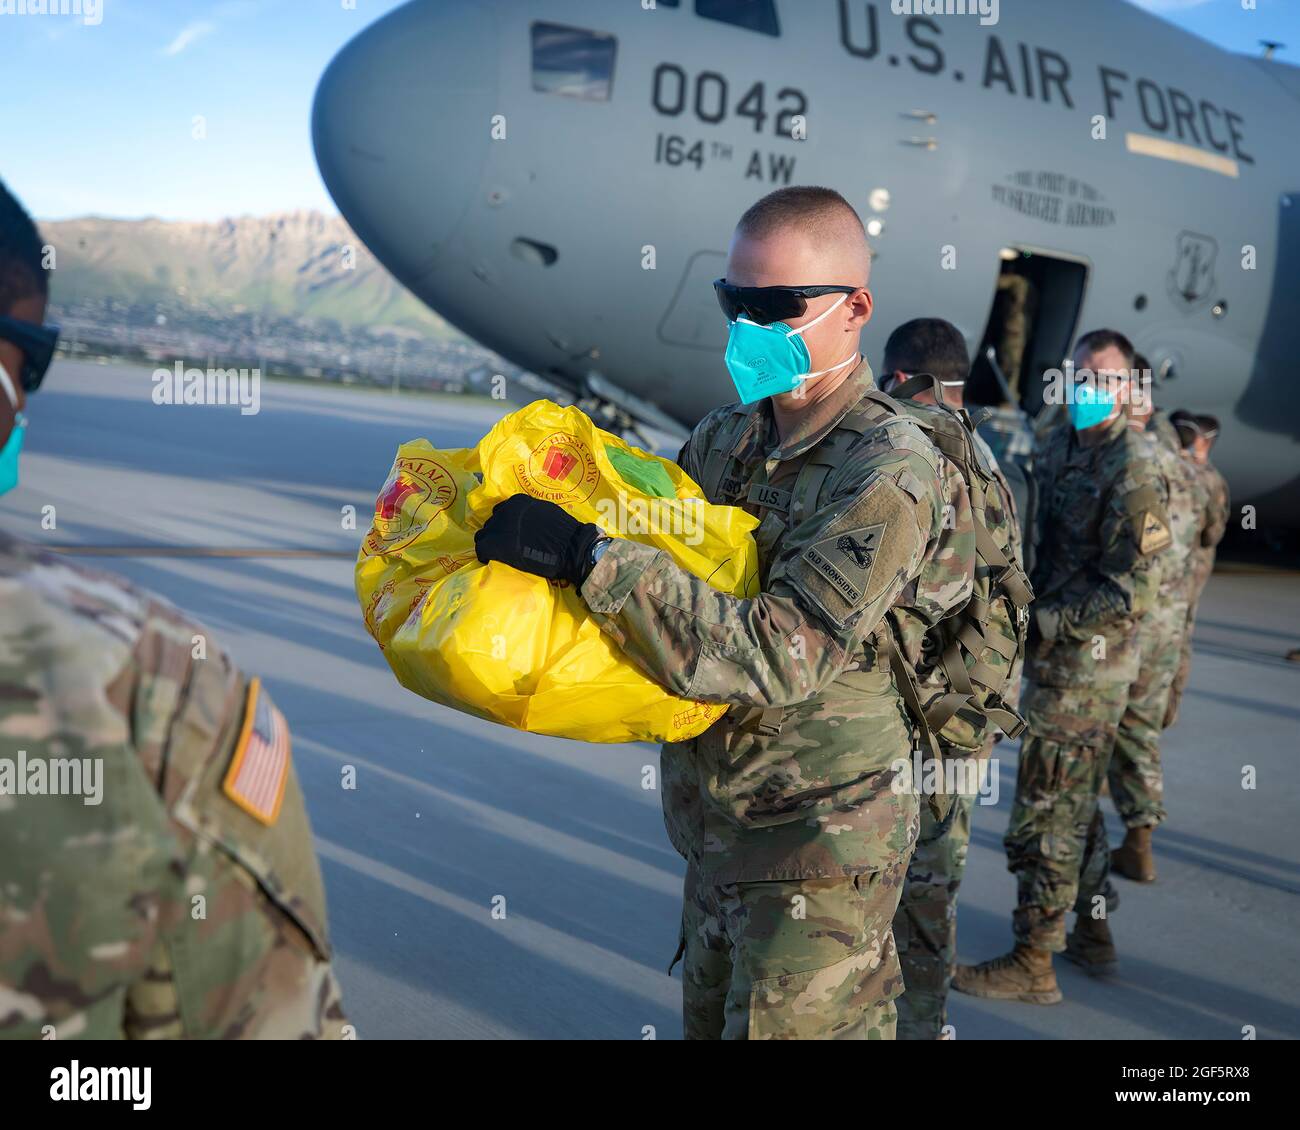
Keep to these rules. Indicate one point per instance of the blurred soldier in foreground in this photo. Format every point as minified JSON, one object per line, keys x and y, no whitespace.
{"x":1103,"y":523}
{"x":925,"y":927}
{"x":157,"y":877}
{"x":796,"y":811}
{"x":1197,"y":435}
{"x":1135,"y":777}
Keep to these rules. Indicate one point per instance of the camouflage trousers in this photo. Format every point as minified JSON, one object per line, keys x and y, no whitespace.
{"x":1135,"y":776}
{"x":809,"y":959}
{"x":1056,"y":839}
{"x":1183,"y":673}
{"x":925,"y":927}
{"x":1204,"y":570}
{"x":1179,"y":684}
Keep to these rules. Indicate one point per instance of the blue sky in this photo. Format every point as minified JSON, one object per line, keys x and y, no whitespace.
{"x":100,"y":117}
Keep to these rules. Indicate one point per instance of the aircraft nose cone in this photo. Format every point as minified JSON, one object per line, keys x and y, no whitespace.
{"x":401,"y":127}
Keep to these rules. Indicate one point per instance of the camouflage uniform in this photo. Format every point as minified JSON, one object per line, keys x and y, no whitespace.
{"x":1136,"y":781}
{"x":1212,"y":515}
{"x":166,"y":909}
{"x":1102,"y":520}
{"x":1010,"y":439}
{"x":925,"y":927}
{"x":799,"y":799}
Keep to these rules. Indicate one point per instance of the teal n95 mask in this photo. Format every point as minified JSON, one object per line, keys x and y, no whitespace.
{"x":1090,"y":406}
{"x":769,"y":360}
{"x":14,"y":444}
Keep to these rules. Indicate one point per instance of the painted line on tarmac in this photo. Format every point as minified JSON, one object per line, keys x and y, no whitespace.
{"x":191,"y":551}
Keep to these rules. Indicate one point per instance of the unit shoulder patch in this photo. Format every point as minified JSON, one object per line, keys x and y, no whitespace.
{"x":259,"y":768}
{"x":853,"y":551}
{"x":846,"y":560}
{"x":1155,"y":533}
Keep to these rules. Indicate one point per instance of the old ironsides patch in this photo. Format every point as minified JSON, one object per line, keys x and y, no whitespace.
{"x":846,"y":560}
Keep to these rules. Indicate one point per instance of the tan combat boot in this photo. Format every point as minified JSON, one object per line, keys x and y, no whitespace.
{"x":1132,"y":858}
{"x":1024,"y":974}
{"x":1091,"y":947}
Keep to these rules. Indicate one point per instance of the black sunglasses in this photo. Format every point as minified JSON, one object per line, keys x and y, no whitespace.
{"x":37,"y":344}
{"x":768,"y":304}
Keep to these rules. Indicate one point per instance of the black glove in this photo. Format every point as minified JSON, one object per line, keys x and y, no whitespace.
{"x":537,"y":537}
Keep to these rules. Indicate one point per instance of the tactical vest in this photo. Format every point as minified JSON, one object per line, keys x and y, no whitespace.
{"x":955,"y":676}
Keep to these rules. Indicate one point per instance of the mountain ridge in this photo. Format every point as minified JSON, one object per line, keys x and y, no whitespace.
{"x":302,"y":263}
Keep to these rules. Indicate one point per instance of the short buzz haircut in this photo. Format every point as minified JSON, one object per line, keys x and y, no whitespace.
{"x":22,"y":266}
{"x":819,"y":211}
{"x":1098,"y":340}
{"x":928,"y":345}
{"x":1185,"y":424}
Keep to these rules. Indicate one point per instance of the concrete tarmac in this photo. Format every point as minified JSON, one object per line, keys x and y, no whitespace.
{"x":452,"y":814}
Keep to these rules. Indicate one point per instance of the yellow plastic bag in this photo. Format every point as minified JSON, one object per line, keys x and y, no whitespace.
{"x":511,"y":647}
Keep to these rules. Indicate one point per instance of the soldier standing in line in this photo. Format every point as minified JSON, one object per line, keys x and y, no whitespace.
{"x":1009,"y":438}
{"x":1103,"y":524}
{"x":1136,"y":780}
{"x":1197,"y":435}
{"x":796,"y":811}
{"x":925,"y":927}
{"x":157,"y":875}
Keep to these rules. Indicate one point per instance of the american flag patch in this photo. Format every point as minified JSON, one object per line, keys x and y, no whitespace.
{"x":260,"y":767}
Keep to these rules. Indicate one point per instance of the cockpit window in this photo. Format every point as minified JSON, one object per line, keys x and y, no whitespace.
{"x":754,"y":15}
{"x":573,"y":62}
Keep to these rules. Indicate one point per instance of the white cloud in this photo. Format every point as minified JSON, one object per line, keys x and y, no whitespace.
{"x":188,"y":36}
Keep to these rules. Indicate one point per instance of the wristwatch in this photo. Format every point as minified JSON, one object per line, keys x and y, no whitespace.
{"x":598,"y":548}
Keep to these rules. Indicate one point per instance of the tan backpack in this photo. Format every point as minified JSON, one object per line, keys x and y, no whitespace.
{"x":960,"y":688}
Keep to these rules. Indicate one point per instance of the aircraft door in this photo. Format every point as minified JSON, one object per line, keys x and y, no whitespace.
{"x":1031,"y":327}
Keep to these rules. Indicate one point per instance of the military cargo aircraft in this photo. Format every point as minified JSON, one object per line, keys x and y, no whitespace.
{"x":560,"y":178}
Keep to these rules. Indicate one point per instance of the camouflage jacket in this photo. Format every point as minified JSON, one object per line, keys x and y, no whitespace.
{"x":1177,"y":568}
{"x":147,"y":886}
{"x":1102,"y":523}
{"x":1213,"y":501}
{"x":1010,"y":440}
{"x":806,"y":775}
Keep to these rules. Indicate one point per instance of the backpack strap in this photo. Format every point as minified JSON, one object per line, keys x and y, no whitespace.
{"x":930,"y":721}
{"x":767,"y":720}
{"x":910,"y":691}
{"x":730,"y":437}
{"x":800,"y":501}
{"x":1007,"y":575}
{"x":920,"y":382}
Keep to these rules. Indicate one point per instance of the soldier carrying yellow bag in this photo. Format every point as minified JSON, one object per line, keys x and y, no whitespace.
{"x":796,"y":810}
